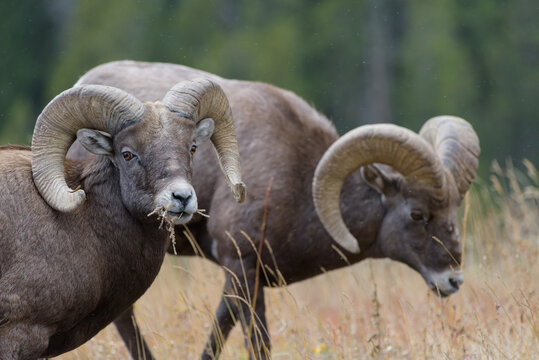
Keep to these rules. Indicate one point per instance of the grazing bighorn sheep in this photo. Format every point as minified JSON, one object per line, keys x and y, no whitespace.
{"x":67,"y":270}
{"x":405,"y":210}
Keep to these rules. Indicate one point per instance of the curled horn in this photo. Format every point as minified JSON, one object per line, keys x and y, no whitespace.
{"x":457,"y":145}
{"x":90,"y":106}
{"x":200,"y":99}
{"x":389,"y":144}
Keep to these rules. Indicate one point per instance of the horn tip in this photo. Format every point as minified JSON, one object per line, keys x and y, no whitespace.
{"x":350,"y":244}
{"x":78,"y":197}
{"x":239,"y":190}
{"x":354,"y":249}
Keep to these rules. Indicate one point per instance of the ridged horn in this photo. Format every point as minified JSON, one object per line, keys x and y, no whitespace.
{"x":457,"y":146}
{"x":199,"y":99}
{"x":388,"y":144}
{"x":90,"y":106}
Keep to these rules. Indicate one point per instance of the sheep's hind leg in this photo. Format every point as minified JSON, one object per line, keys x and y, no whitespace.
{"x":128,"y":329}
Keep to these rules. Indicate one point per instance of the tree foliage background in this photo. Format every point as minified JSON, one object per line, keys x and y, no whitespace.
{"x":357,"y":61}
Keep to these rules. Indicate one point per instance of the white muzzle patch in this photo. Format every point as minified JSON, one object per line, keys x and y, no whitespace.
{"x":177,"y":202}
{"x":445,"y":283}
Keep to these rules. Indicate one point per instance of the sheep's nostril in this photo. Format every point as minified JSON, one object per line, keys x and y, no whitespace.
{"x":182,"y":198}
{"x":455,"y":282}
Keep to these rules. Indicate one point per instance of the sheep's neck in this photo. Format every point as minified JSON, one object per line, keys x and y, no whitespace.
{"x":311,"y":250}
{"x":119,"y":256}
{"x":133,"y":241}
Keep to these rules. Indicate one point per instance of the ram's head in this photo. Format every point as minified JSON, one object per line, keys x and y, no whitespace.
{"x":152,"y":145}
{"x":421,"y":184}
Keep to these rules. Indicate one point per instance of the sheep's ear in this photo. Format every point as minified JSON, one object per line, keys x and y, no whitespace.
{"x":376,"y":178}
{"x":95,"y":142}
{"x":204,"y":130}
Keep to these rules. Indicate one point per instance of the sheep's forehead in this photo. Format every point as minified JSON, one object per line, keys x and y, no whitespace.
{"x":160,"y":124}
{"x":420,"y":195}
{"x":159,"y":132}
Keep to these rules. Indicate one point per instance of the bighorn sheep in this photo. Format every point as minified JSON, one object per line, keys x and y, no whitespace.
{"x":404,"y":209}
{"x":68,"y":270}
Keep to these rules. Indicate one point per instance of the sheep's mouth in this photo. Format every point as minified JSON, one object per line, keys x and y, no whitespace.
{"x":178,"y":218}
{"x":171,"y":217}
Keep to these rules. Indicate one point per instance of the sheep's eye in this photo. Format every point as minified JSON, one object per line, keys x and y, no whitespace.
{"x":128,"y":155}
{"x":193,"y":149}
{"x":416,"y":215}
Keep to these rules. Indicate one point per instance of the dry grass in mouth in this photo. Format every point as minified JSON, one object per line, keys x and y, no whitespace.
{"x":162,"y":216}
{"x":377,"y":309}
{"x":202,"y":212}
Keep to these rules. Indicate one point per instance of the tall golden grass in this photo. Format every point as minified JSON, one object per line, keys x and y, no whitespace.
{"x":375,"y":309}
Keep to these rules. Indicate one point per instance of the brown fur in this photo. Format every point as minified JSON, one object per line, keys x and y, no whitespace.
{"x":65,"y":276}
{"x":281,"y":138}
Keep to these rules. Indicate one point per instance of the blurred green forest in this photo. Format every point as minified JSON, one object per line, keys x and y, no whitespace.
{"x":356,"y":61}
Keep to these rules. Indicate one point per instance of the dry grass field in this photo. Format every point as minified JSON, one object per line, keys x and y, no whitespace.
{"x":376,"y":309}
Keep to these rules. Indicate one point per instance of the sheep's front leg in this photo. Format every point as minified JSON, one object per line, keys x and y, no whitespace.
{"x":19,"y":337}
{"x":237,"y":305}
{"x":21,"y":341}
{"x":255,"y":328}
{"x":128,"y":329}
{"x":225,"y":319}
